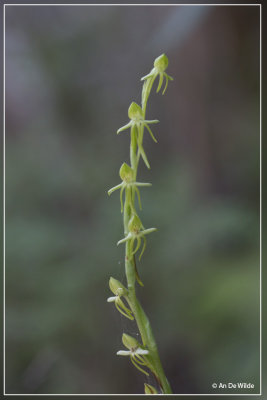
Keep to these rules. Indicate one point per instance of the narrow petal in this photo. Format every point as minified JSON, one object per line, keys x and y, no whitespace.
{"x":121,"y":200}
{"x":138,"y":196}
{"x":166,"y":85}
{"x":142,"y":184}
{"x":143,"y":249}
{"x":124,"y":310}
{"x":139,"y":359}
{"x":123,"y":353}
{"x":114,"y":188}
{"x":160,"y":81}
{"x":121,"y":304}
{"x":147,"y":231}
{"x":125,"y":239}
{"x":143,"y":154}
{"x":152,"y":121}
{"x":151,"y":134}
{"x":138,"y":367}
{"x":111,"y":299}
{"x":138,"y":245}
{"x":168,"y":76}
{"x":124,"y":127}
{"x":141,"y":351}
{"x":147,"y":76}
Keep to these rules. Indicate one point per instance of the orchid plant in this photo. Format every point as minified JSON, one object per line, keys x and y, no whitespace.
{"x":144,"y":356}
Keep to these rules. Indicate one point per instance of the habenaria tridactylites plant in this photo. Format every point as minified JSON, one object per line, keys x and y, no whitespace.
{"x":144,"y":356}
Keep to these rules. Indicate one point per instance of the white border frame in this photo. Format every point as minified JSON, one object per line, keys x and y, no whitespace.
{"x":260,"y":287}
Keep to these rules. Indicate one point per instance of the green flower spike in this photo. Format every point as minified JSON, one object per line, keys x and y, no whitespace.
{"x":136,"y":233}
{"x":119,"y":290}
{"x":160,"y":65}
{"x":149,"y":389}
{"x":135,"y":352}
{"x":127,"y":177}
{"x":143,"y":355}
{"x":137,"y":123}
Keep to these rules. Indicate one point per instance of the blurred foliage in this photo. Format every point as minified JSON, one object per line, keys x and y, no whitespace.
{"x":71,"y":73}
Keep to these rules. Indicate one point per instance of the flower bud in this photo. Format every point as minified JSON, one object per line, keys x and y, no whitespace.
{"x":135,"y":224}
{"x":161,"y":62}
{"x":135,"y":111}
{"x":149,"y":389}
{"x":117,"y":287}
{"x":126,"y":173}
{"x":130,"y":342}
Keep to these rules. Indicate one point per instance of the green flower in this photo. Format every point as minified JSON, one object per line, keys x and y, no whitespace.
{"x":136,"y":116}
{"x":136,"y":233}
{"x":135,"y":351}
{"x":119,"y":290}
{"x":160,"y":65}
{"x":137,"y":124}
{"x":127,"y":175}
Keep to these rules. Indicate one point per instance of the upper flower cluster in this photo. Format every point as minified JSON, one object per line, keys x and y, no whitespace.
{"x":160,"y":65}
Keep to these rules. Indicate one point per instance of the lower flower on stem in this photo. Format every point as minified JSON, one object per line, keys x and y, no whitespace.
{"x":135,"y":351}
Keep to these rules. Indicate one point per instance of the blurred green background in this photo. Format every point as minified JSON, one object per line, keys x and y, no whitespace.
{"x":71,"y":73}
